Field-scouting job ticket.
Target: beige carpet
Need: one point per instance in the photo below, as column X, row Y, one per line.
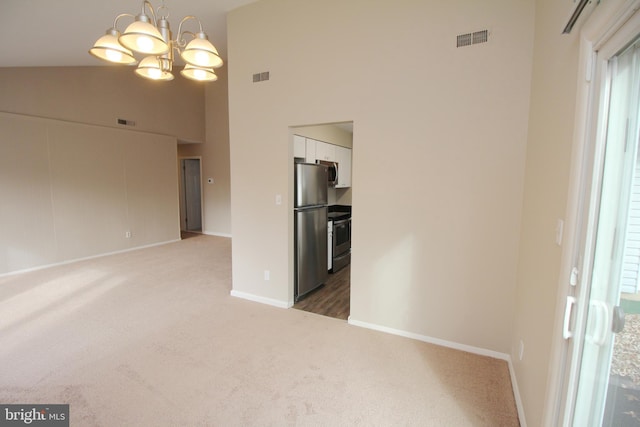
column 152, row 338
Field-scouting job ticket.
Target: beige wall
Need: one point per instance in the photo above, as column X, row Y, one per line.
column 435, row 241
column 551, row 121
column 214, row 154
column 100, row 95
column 71, row 191
column 72, row 180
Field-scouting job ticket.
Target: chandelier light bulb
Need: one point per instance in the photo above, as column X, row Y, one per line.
column 144, row 43
column 201, row 57
column 199, row 74
column 155, row 73
column 113, row 55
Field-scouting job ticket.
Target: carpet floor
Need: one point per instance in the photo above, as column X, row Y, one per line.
column 152, row 337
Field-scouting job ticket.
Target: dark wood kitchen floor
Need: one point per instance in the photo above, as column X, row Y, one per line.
column 332, row 299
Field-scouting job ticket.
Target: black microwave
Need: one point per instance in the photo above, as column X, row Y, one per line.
column 332, row 172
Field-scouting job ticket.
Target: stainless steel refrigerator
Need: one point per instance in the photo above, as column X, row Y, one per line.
column 310, row 222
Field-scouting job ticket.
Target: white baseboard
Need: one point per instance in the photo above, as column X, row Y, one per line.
column 71, row 261
column 210, row 233
column 516, row 394
column 456, row 346
column 262, row 300
column 431, row 340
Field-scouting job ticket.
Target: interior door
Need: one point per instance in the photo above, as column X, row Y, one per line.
column 604, row 317
column 192, row 194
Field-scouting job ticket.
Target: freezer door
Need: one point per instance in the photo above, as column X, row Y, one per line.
column 310, row 185
column 311, row 249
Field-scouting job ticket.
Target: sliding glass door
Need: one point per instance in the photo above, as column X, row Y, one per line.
column 608, row 360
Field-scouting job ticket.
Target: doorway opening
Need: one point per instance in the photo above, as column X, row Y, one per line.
column 190, row 195
column 330, row 145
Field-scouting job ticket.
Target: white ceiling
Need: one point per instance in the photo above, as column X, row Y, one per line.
column 61, row 32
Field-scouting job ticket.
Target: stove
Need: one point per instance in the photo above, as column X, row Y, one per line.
column 339, row 234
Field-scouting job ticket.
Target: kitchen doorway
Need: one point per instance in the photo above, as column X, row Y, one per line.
column 190, row 194
column 329, row 144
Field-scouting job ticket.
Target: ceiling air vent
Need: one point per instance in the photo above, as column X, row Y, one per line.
column 472, row 38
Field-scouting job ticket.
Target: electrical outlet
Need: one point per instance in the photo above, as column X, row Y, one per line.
column 127, row 234
column 267, row 275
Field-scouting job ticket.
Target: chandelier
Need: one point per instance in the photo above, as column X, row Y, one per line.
column 152, row 38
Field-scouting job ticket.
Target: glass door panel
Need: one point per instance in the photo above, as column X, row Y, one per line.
column 604, row 372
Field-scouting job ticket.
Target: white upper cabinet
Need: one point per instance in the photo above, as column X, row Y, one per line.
column 299, row 146
column 325, row 151
column 343, row 158
column 310, row 156
column 312, row 150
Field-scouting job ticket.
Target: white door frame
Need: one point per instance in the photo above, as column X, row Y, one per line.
column 611, row 20
column 181, row 186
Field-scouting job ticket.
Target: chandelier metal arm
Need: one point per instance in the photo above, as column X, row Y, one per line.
column 115, row 21
column 150, row 6
column 180, row 41
column 163, row 11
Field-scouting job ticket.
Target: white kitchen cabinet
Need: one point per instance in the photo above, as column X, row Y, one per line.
column 325, row 151
column 299, row 146
column 343, row 158
column 311, row 150
column 310, row 145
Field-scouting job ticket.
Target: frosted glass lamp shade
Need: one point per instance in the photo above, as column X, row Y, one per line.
column 108, row 49
column 199, row 74
column 142, row 37
column 150, row 38
column 150, row 68
column 201, row 53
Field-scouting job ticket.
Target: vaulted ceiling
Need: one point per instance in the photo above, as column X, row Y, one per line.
column 60, row 33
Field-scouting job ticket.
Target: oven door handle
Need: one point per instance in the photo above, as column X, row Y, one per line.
column 342, row 221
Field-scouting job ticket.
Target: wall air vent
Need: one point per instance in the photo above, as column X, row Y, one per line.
column 480, row 36
column 472, row 38
column 125, row 122
column 261, row 77
column 464, row 40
